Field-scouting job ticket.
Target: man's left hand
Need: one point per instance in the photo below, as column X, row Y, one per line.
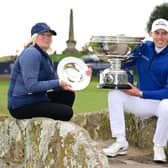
column 134, row 91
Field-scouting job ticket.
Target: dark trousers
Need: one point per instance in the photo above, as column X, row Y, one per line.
column 58, row 108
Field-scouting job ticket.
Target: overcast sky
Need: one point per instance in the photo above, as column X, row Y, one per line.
column 91, row 17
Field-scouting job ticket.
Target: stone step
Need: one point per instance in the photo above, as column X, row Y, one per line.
column 120, row 163
column 136, row 158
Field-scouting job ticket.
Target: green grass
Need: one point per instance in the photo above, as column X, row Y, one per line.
column 3, row 97
column 59, row 57
column 90, row 99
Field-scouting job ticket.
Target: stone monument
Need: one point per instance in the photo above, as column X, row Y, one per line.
column 71, row 41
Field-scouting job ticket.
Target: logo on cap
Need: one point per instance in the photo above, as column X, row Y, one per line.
column 160, row 24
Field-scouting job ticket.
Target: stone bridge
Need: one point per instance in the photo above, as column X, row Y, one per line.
column 45, row 143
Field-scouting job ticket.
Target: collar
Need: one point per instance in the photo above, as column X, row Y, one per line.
column 41, row 50
column 158, row 50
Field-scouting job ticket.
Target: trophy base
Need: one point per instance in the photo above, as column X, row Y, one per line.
column 113, row 86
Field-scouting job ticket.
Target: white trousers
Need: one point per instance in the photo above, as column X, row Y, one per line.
column 118, row 102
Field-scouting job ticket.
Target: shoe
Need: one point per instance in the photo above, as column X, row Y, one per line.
column 117, row 148
column 159, row 154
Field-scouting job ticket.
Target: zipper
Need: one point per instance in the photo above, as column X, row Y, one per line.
column 151, row 61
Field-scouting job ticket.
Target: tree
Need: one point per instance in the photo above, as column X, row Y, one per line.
column 160, row 11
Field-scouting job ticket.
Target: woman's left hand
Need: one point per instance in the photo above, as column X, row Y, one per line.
column 134, row 91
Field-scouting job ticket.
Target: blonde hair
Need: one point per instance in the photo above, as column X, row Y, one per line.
column 31, row 40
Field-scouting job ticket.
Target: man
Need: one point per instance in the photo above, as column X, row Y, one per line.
column 149, row 98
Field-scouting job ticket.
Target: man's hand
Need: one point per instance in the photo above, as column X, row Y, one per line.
column 134, row 91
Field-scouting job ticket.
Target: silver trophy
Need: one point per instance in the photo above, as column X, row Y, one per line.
column 115, row 50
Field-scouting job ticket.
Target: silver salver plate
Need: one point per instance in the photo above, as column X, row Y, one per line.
column 73, row 71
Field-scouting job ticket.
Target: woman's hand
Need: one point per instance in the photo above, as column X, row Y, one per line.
column 65, row 86
column 134, row 91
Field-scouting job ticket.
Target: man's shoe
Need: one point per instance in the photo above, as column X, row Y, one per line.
column 159, row 154
column 117, row 148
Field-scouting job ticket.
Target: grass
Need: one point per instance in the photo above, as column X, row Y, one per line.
column 3, row 97
column 90, row 99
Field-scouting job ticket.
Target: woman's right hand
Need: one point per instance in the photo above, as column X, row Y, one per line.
column 65, row 86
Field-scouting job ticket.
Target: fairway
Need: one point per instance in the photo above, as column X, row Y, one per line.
column 90, row 99
column 3, row 97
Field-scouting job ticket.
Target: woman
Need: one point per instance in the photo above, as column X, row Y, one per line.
column 33, row 77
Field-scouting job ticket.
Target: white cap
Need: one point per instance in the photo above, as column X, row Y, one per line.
column 160, row 24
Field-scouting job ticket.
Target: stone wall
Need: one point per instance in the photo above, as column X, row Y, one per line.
column 97, row 124
column 45, row 143
column 139, row 131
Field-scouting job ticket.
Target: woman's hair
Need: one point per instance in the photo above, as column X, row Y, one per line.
column 31, row 40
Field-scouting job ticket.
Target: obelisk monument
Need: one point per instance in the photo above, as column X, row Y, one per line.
column 71, row 41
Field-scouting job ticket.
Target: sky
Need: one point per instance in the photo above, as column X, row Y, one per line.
column 91, row 17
